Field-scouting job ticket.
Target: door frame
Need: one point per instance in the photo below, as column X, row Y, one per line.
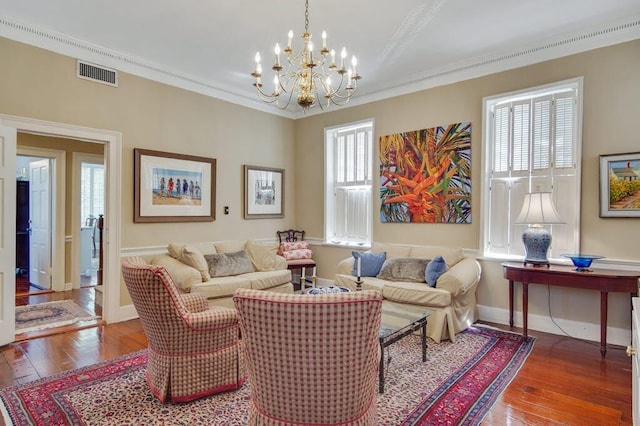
column 113, row 180
column 78, row 159
column 58, row 188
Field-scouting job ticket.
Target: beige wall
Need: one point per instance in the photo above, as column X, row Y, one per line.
column 611, row 107
column 41, row 84
column 69, row 146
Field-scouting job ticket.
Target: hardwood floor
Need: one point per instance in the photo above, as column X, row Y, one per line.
column 84, row 297
column 563, row 382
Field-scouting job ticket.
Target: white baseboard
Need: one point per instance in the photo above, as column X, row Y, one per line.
column 580, row 330
column 127, row 313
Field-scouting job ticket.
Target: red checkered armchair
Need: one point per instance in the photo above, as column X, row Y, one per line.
column 311, row 359
column 193, row 348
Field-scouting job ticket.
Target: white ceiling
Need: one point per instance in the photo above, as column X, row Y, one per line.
column 401, row 45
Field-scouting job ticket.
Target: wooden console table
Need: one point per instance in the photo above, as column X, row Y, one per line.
column 602, row 280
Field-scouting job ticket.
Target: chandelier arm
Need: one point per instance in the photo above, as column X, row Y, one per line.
column 274, row 100
column 345, row 97
column 305, row 75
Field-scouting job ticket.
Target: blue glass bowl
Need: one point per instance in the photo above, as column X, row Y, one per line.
column 582, row 261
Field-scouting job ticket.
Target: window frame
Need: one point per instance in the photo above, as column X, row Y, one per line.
column 488, row 105
column 331, row 185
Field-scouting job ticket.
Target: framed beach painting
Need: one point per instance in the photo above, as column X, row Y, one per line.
column 620, row 185
column 263, row 192
column 172, row 187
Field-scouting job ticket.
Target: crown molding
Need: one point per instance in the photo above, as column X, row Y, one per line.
column 514, row 56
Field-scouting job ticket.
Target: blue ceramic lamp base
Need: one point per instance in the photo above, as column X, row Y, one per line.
column 536, row 241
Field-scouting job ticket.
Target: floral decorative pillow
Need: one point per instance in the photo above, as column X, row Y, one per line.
column 297, row 254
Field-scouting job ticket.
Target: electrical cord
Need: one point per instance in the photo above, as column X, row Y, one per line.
column 567, row 334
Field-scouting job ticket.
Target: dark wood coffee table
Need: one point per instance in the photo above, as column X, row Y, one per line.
column 399, row 321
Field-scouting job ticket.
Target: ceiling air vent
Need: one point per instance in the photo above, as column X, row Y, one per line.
column 97, row 73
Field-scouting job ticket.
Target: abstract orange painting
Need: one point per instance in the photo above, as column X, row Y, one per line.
column 425, row 175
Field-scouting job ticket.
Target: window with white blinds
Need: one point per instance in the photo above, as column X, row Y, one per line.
column 349, row 179
column 532, row 144
column 91, row 191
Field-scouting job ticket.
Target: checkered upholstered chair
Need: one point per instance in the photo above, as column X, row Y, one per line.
column 193, row 349
column 311, row 359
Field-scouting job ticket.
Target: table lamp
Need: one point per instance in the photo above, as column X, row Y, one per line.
column 537, row 210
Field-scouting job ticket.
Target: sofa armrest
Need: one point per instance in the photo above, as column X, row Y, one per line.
column 195, row 302
column 345, row 266
column 461, row 277
column 183, row 275
column 281, row 263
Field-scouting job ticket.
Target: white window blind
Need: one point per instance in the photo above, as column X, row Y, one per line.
column 349, row 167
column 91, row 191
column 531, row 146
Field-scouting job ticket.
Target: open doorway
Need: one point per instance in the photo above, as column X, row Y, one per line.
column 89, row 186
column 10, row 126
column 88, row 209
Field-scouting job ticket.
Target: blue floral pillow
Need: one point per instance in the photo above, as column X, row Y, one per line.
column 370, row 263
column 434, row 269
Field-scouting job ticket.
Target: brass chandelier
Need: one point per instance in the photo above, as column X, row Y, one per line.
column 315, row 79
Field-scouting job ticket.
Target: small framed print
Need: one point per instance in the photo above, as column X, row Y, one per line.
column 620, row 185
column 263, row 192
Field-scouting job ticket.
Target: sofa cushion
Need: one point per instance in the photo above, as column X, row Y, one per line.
column 368, row 283
column 393, row 250
column 267, row 279
column 190, row 256
column 450, row 255
column 263, row 255
column 184, row 276
column 226, row 264
column 230, row 246
column 404, row 269
column 221, row 286
column 416, row 294
column 370, row 263
column 435, row 268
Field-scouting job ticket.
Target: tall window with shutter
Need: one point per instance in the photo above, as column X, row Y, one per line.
column 348, row 168
column 532, row 144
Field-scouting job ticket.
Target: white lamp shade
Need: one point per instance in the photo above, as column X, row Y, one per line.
column 538, row 209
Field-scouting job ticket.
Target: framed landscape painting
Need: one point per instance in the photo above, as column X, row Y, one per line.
column 172, row 187
column 620, row 185
column 263, row 192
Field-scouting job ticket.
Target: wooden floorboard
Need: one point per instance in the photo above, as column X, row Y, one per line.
column 563, row 382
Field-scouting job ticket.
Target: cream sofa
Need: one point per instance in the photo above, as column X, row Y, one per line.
column 188, row 267
column 452, row 301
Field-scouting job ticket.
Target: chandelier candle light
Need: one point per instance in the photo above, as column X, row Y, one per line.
column 537, row 210
column 308, row 74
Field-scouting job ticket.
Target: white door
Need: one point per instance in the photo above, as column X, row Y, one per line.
column 40, row 216
column 7, row 235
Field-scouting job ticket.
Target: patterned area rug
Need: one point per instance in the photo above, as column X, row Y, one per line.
column 48, row 315
column 456, row 386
